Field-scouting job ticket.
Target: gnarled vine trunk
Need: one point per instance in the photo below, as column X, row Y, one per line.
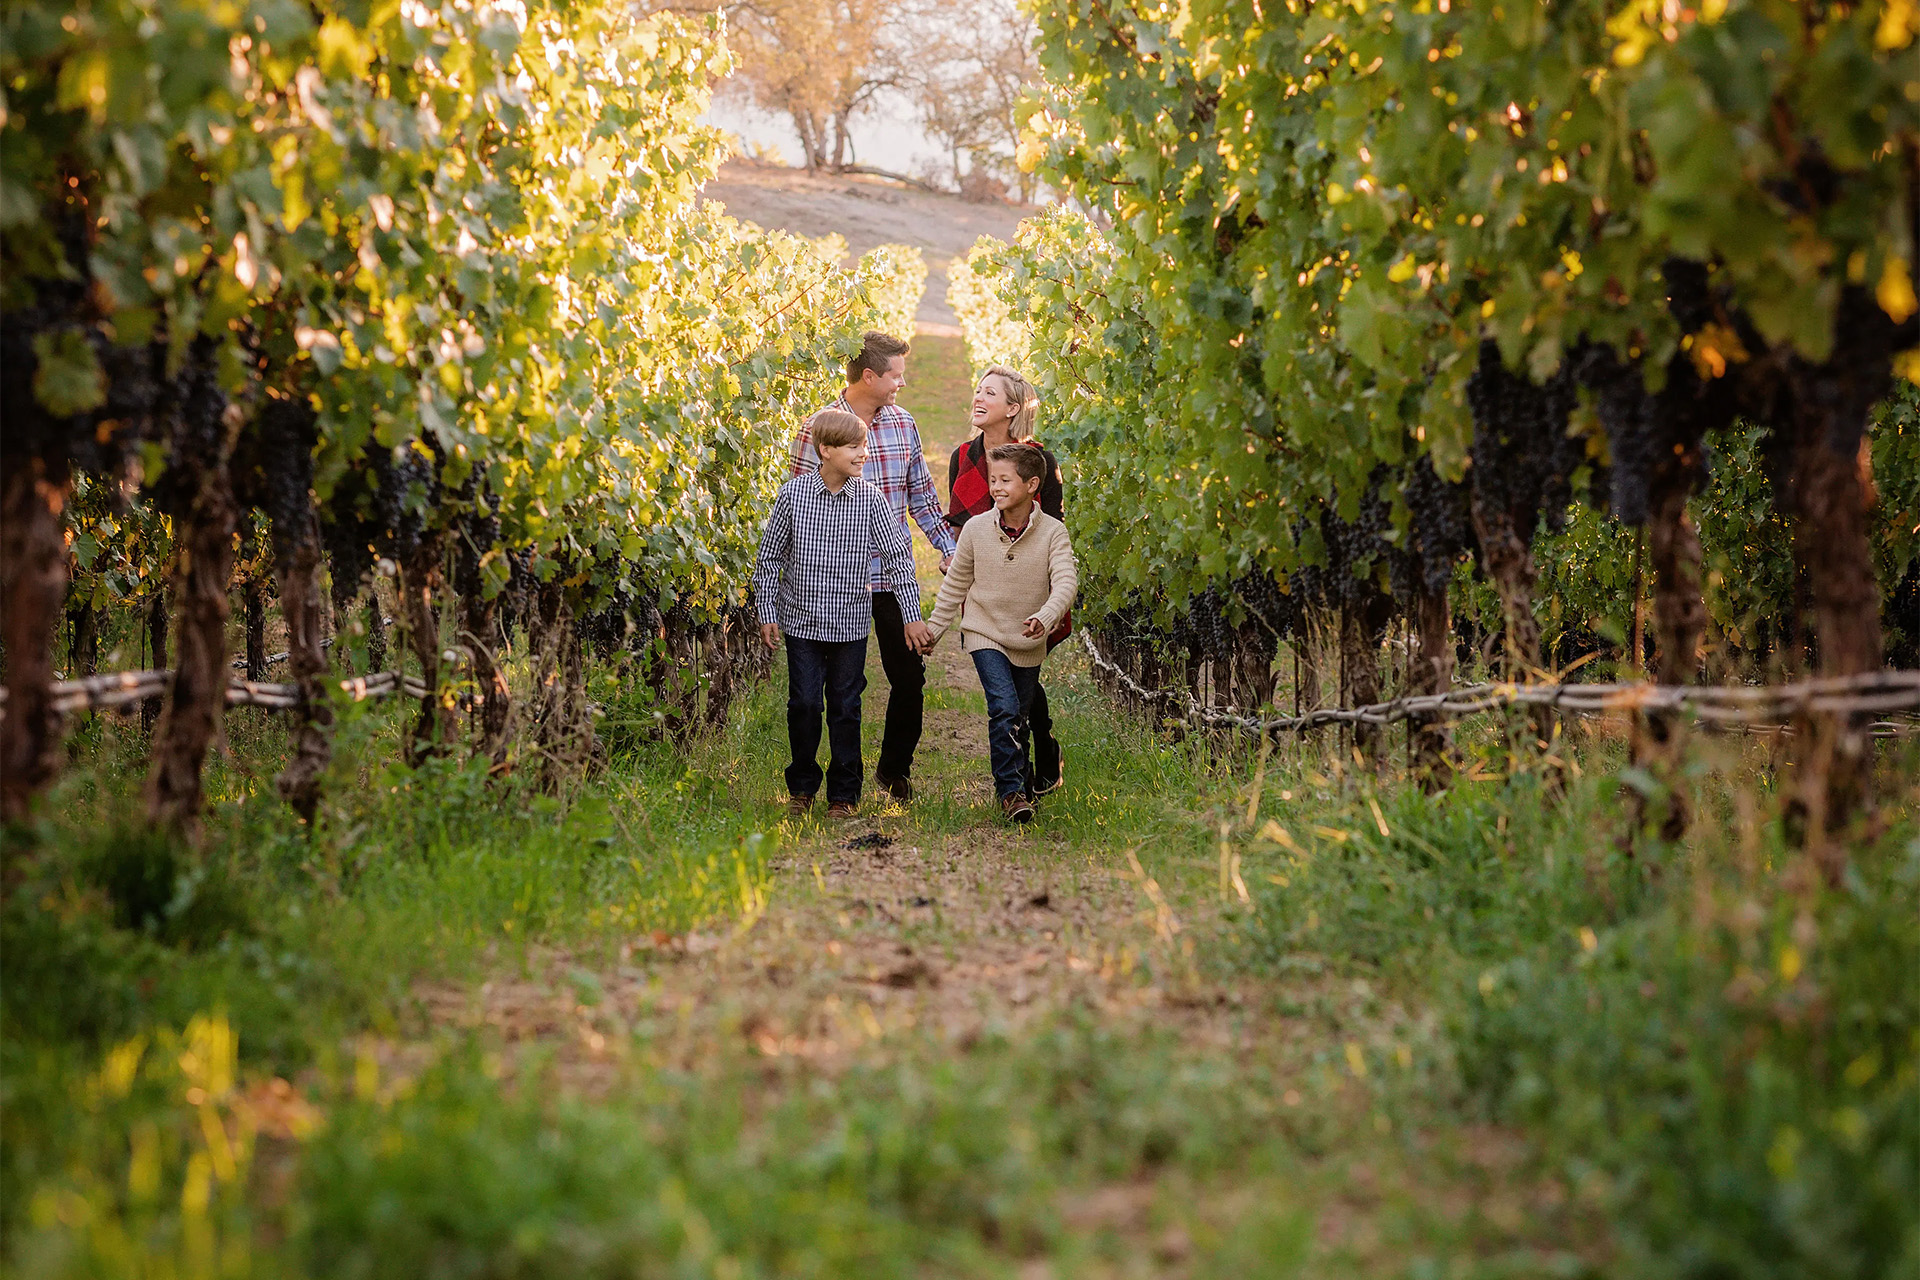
column 204, row 426
column 1431, row 672
column 1254, row 677
column 376, row 631
column 1823, row 486
column 1830, row 501
column 1679, row 620
column 563, row 731
column 159, row 611
column 253, row 597
column 1361, row 628
column 481, row 637
column 1507, row 557
column 433, row 732
column 33, row 587
column 296, row 556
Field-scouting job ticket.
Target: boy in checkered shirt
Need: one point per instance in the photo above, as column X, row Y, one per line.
column 811, row 582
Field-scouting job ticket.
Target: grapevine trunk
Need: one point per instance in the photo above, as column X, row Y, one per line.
column 480, row 625
column 1432, row 673
column 1679, row 619
column 1360, row 629
column 1830, row 495
column 197, row 699
column 296, row 555
column 559, row 689
column 433, row 732
column 33, row 583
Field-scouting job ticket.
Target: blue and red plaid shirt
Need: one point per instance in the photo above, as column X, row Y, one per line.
column 895, row 466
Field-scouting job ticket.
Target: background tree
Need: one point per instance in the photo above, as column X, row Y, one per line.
column 970, row 71
column 817, row 64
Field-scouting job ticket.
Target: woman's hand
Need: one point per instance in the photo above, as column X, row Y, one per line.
column 1034, row 629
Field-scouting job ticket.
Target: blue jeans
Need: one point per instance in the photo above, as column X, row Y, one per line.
column 1009, row 696
column 825, row 676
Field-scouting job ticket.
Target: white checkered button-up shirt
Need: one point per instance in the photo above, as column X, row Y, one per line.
column 898, row 468
column 811, row 574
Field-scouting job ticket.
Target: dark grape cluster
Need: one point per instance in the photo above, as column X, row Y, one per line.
column 56, row 308
column 1275, row 611
column 1523, row 459
column 629, row 618
column 273, row 468
column 477, row 532
column 1204, row 631
column 1439, row 532
column 407, row 486
column 517, row 600
column 1654, row 438
column 191, row 426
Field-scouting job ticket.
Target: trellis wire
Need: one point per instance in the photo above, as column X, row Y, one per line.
column 117, row 689
column 1748, row 707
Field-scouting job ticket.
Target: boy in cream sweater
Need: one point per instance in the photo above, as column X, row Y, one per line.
column 1014, row 572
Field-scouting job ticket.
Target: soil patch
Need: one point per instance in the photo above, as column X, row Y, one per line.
column 868, row 212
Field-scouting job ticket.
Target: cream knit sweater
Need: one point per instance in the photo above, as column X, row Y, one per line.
column 1004, row 582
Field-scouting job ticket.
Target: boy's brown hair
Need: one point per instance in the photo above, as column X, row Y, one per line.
column 1027, row 460
column 876, row 350
column 834, row 428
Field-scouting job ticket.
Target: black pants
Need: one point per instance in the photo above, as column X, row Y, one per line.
column 825, row 676
column 906, row 688
column 1043, row 749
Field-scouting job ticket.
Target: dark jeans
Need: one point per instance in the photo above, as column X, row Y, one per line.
column 1042, row 746
column 1010, row 691
column 825, row 676
column 906, row 688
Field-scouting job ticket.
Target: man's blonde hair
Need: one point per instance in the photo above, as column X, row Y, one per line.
column 1019, row 391
column 836, row 428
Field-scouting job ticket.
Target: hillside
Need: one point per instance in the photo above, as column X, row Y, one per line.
column 867, row 211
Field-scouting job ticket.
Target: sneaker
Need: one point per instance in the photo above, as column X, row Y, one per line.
column 1017, row 808
column 843, row 810
column 799, row 806
column 899, row 788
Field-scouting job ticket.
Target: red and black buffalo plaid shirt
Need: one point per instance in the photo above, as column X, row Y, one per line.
column 968, row 496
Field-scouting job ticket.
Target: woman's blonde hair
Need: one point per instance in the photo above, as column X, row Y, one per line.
column 1019, row 391
column 835, row 428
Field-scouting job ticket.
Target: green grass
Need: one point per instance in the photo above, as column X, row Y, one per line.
column 1490, row 1037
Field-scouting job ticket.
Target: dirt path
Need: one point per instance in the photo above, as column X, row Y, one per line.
column 867, row 211
column 883, row 928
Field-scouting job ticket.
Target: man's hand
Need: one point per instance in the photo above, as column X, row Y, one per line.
column 1033, row 629
column 919, row 637
column 770, row 635
column 946, row 562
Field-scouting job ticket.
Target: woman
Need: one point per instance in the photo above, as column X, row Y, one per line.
column 1003, row 408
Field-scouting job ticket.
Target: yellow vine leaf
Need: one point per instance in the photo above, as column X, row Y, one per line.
column 1895, row 291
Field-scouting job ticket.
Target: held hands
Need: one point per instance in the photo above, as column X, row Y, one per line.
column 1033, row 629
column 919, row 638
column 770, row 635
column 946, row 562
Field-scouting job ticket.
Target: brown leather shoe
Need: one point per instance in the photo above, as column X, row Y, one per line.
column 899, row 788
column 799, row 806
column 843, row 811
column 1017, row 808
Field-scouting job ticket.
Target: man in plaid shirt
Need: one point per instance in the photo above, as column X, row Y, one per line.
column 896, row 466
